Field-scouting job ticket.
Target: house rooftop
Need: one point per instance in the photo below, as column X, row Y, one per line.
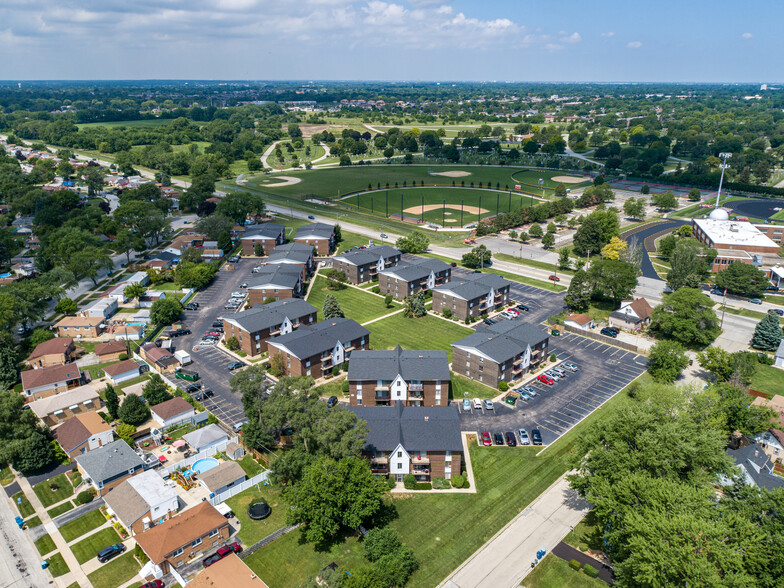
column 75, row 396
column 388, row 364
column 269, row 315
column 416, row 269
column 310, row 340
column 264, row 231
column 50, row 375
column 580, row 319
column 51, row 347
column 368, row 255
column 110, row 347
column 120, row 368
column 171, row 408
column 276, row 276
column 108, row 461
column 315, row 231
column 473, row 286
column 291, row 253
column 735, row 233
column 78, row 429
column 205, row 436
column 229, row 572
column 756, row 467
column 222, row 474
column 134, row 497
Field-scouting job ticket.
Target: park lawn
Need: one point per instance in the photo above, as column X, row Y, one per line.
column 352, row 240
column 49, row 497
column 115, row 573
column 587, row 534
column 553, row 572
column 57, row 565
column 88, row 548
column 428, row 332
column 83, row 524
column 461, row 385
column 356, row 304
column 767, row 379
column 44, row 544
column 23, row 505
column 250, row 465
column 60, row 509
column 6, row 476
column 531, row 262
column 252, row 531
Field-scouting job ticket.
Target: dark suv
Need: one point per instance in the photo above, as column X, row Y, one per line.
column 179, row 332
column 608, row 332
column 536, row 435
column 108, row 553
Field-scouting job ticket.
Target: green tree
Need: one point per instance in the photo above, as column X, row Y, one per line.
column 742, row 279
column 336, row 279
column 232, row 343
column 667, row 245
column 94, row 180
column 578, row 296
column 214, row 225
column 40, row 336
column 379, row 542
column 687, row 265
column 135, row 291
column 666, row 361
column 665, row 200
column 767, row 334
column 414, row 306
column 695, row 194
column 388, row 300
column 416, row 242
column 66, row 306
column 127, row 242
column 331, row 308
column 111, row 401
column 635, row 208
column 686, row 316
column 612, row 279
column 65, row 169
column 560, row 189
column 258, row 250
column 548, row 240
column 133, row 410
column 563, row 259
column 34, row 454
column 239, row 205
column 194, row 275
column 536, row 230
column 156, row 391
column 125, row 432
column 165, row 311
column 596, row 231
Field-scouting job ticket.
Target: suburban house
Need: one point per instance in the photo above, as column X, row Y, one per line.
column 415, row 378
column 109, row 465
column 55, row 351
column 504, row 352
column 222, row 477
column 125, row 370
column 253, row 327
column 409, row 277
column 363, row 265
column 293, row 254
column 424, row 441
column 184, row 537
column 633, row 315
column 162, row 261
column 110, row 351
column 210, row 250
column 80, row 326
column 268, row 235
column 206, row 437
column 275, row 281
column 142, row 502
column 56, row 409
column 181, row 243
column 229, row 572
column 103, row 308
column 473, row 295
column 313, row 350
column 48, row 381
column 756, row 467
column 772, row 442
column 161, row 359
column 579, row 321
column 172, row 411
column 320, row 236
column 150, row 297
column 82, row 433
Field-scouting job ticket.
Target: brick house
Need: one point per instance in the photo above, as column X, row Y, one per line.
column 504, row 352
column 48, row 381
column 313, row 350
column 409, row 277
column 82, row 433
column 293, row 255
column 80, row 326
column 185, row 537
column 274, row 281
column 110, row 351
column 424, row 441
column 143, row 501
column 473, row 295
column 633, row 315
column 60, row 407
column 253, row 327
column 109, row 465
column 363, row 265
column 268, row 235
column 161, row 359
column 320, row 236
column 384, row 377
column 55, row 351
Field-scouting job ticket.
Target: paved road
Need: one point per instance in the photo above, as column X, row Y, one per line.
column 20, row 566
column 647, row 235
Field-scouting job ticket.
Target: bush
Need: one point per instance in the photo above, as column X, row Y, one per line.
column 447, row 313
column 574, row 564
column 458, row 481
column 409, row 482
column 379, row 542
column 503, row 386
column 375, row 290
column 84, row 497
column 391, row 483
column 466, row 321
column 139, row 554
column 764, row 359
column 232, row 344
column 344, row 387
column 336, row 370
column 344, row 366
column 590, row 571
column 123, row 356
column 424, row 486
column 441, row 483
column 553, row 357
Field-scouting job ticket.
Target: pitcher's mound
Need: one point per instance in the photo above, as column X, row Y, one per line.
column 284, row 181
column 451, row 174
column 569, row 179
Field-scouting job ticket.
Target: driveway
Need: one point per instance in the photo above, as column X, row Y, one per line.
column 647, row 234
column 75, row 513
column 49, row 473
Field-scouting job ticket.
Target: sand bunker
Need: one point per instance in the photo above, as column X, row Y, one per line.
column 287, row 181
column 451, row 174
column 569, row 179
column 429, row 207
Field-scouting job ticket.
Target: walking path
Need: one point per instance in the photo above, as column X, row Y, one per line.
column 505, row 559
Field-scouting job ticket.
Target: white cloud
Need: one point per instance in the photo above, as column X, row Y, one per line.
column 573, row 38
column 608, row 34
column 634, row 44
column 746, row 36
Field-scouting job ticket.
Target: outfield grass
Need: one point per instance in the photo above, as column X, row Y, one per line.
column 461, row 385
column 115, row 573
column 88, row 548
column 84, row 524
column 23, row 505
column 553, row 572
column 529, row 179
column 356, row 304
column 44, row 544
column 57, row 565
column 428, row 332
column 768, row 379
column 252, row 531
column 47, row 496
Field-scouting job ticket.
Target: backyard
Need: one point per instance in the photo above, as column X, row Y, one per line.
column 356, row 304
column 252, row 531
column 428, row 332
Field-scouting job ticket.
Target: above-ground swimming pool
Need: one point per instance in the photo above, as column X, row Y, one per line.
column 202, row 465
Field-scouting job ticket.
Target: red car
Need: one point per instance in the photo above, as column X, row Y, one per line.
column 545, row 380
column 555, row 278
column 221, row 553
column 486, row 440
column 153, row 584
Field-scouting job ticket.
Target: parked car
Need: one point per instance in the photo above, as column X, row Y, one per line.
column 524, row 440
column 234, row 259
column 238, row 295
column 238, row 426
column 207, row 393
column 179, row 332
column 108, row 553
column 755, row 300
column 498, row 438
column 545, row 380
column 488, row 321
column 537, row 437
column 333, row 400
column 488, row 404
column 609, row 332
column 466, row 405
column 511, row 441
column 235, row 365
column 485, row 436
column 453, row 264
column 570, row 366
column 477, row 404
column 778, row 311
column 558, row 371
column 615, row 330
column 153, row 584
column 554, row 278
column 531, row 392
column 191, row 388
column 384, row 236
column 513, row 311
column 522, row 307
column 552, row 374
column 217, row 324
column 717, row 292
column 191, row 306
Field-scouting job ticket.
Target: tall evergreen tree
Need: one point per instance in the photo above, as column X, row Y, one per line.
column 767, row 335
column 111, row 401
column 331, row 308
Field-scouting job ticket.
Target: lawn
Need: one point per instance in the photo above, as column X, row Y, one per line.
column 252, row 531
column 49, row 497
column 457, row 524
column 553, row 572
column 23, row 505
column 88, row 548
column 356, row 304
column 587, row 534
column 332, row 387
column 84, row 524
column 44, row 544
column 768, row 379
column 115, row 573
column 463, row 387
column 6, row 476
column 530, row 262
column 250, row 465
column 428, row 332
column 599, row 310
column 33, row 522
column 57, row 565
column 353, row 240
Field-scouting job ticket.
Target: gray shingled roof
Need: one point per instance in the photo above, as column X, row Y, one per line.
column 291, row 253
column 756, row 467
column 310, row 340
column 276, row 275
column 315, row 231
column 418, row 269
column 264, row 231
column 368, row 255
column 416, row 428
column 271, row 315
column 224, row 473
column 503, row 340
column 108, row 461
column 205, row 436
column 388, row 364
column 473, row 285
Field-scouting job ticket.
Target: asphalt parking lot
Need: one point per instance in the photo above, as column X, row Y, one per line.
column 603, row 371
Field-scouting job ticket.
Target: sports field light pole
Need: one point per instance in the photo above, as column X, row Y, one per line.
column 723, row 165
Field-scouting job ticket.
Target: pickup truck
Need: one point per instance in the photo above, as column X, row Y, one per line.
column 188, row 375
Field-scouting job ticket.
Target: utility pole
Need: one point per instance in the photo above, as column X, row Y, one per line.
column 724, row 165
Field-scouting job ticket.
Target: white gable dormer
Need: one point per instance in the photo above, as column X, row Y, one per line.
column 431, row 281
column 399, row 389
column 380, row 264
column 526, row 357
column 286, row 326
column 338, row 354
column 490, row 297
column 399, row 461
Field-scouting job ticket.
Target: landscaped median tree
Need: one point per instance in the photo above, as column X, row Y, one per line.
column 767, row 333
column 742, row 279
column 477, row 257
column 548, row 240
column 563, row 259
column 536, row 230
column 666, row 361
column 331, row 308
column 686, row 316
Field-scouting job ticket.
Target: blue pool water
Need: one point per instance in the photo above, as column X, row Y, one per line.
column 203, row 465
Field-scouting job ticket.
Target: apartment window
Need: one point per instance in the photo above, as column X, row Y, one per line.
column 359, row 402
column 400, row 454
column 197, row 542
column 400, row 465
column 178, row 552
column 213, row 533
column 179, row 563
column 468, row 355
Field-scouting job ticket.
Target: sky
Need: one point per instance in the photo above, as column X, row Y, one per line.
column 427, row 40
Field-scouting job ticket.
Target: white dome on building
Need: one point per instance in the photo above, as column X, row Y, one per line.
column 719, row 214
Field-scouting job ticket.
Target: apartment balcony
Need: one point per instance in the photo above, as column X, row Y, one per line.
column 416, row 387
column 382, row 388
column 326, row 362
column 382, row 396
column 420, row 462
column 379, row 469
column 274, row 332
column 517, row 361
column 380, row 459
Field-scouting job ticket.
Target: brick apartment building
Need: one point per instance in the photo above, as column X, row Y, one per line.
column 294, row 255
column 473, row 295
column 412, row 275
column 254, row 327
column 276, row 282
column 363, row 265
column 320, row 236
column 268, row 235
column 384, row 377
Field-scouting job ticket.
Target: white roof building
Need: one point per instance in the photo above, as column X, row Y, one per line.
column 726, row 234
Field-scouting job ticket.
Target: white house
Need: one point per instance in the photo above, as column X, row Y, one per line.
column 172, row 411
column 632, row 315
column 206, row 437
column 579, row 321
column 142, row 501
column 103, row 307
column 222, row 477
column 779, row 360
column 120, row 372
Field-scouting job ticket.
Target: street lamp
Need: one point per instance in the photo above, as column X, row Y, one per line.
column 723, row 165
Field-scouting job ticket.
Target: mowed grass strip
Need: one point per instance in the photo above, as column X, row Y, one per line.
column 60, row 509
column 88, row 548
column 553, row 572
column 47, row 496
column 428, row 332
column 57, row 565
column 44, row 544
column 23, row 505
column 83, row 524
column 115, row 573
column 461, row 385
column 356, row 304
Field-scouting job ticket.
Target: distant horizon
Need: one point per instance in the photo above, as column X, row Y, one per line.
column 386, row 81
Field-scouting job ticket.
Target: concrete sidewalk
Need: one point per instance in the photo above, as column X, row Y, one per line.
column 506, row 558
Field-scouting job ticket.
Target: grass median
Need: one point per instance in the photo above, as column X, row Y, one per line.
column 83, row 524
column 356, row 304
column 428, row 332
